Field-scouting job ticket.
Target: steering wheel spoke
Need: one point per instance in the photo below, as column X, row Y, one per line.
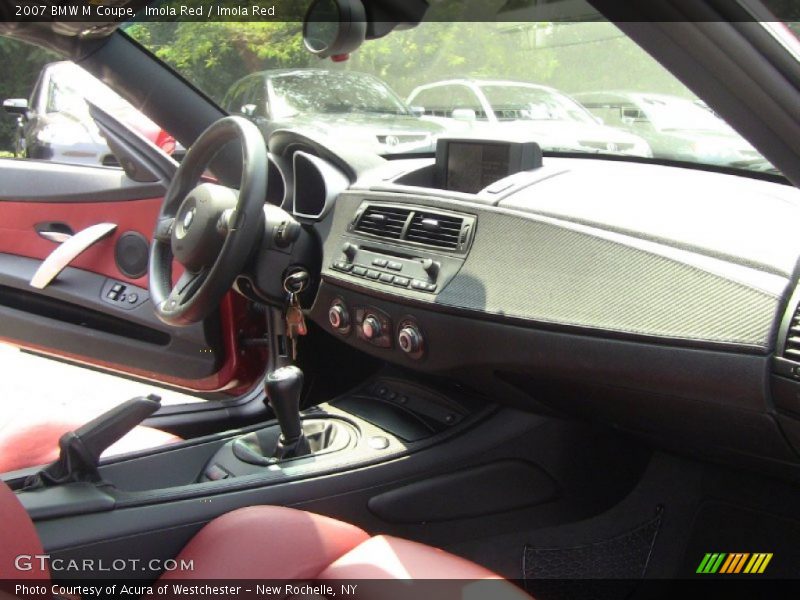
column 163, row 230
column 186, row 287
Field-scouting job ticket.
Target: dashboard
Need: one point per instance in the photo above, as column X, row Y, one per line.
column 654, row 298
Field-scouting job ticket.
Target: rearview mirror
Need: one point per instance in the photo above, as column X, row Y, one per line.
column 248, row 110
column 334, row 28
column 464, row 114
column 16, row 106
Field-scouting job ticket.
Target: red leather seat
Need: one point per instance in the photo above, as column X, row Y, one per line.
column 277, row 543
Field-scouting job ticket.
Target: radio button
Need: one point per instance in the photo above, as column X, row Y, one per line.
column 386, row 278
column 380, row 262
column 402, row 281
column 373, row 274
column 360, row 271
column 395, row 266
column 340, row 265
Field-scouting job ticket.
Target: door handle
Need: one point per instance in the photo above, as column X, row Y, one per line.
column 59, row 237
column 64, row 254
column 54, row 231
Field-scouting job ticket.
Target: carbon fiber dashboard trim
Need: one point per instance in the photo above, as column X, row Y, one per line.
column 540, row 269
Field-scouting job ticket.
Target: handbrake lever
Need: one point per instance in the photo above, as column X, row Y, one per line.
column 81, row 449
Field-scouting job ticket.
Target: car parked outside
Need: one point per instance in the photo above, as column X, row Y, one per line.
column 346, row 106
column 517, row 109
column 55, row 124
column 676, row 128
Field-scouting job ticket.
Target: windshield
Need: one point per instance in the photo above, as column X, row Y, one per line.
column 675, row 114
column 320, row 92
column 536, row 74
column 512, row 102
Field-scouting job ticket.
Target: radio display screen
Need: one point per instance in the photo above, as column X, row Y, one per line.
column 472, row 166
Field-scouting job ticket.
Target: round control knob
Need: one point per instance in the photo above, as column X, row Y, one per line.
column 338, row 317
column 409, row 339
column 371, row 327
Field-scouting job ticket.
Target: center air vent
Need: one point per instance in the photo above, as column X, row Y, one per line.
column 422, row 227
column 442, row 231
column 383, row 221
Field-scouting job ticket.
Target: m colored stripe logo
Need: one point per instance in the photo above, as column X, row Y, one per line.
column 734, row 563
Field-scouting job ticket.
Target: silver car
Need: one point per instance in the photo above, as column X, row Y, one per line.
column 523, row 110
column 346, row 106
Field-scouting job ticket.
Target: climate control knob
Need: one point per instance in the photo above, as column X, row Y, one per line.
column 410, row 340
column 371, row 327
column 338, row 317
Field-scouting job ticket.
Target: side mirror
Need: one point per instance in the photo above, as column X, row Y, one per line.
column 16, row 106
column 464, row 114
column 417, row 111
column 248, row 110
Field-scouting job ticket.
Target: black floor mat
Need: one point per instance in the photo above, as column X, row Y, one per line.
column 577, row 572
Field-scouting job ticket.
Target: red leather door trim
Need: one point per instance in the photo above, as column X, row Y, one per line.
column 18, row 219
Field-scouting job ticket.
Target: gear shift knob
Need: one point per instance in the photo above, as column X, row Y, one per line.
column 283, row 387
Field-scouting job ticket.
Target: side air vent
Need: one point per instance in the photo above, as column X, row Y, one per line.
column 791, row 350
column 433, row 229
column 383, row 221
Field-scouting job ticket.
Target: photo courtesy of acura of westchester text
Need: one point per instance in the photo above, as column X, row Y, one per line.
column 452, row 299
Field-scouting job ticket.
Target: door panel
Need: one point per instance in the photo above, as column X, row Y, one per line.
column 18, row 233
column 73, row 317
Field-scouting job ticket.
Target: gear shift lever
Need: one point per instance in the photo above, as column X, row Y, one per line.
column 283, row 387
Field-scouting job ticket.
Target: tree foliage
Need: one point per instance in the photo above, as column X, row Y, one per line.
column 573, row 57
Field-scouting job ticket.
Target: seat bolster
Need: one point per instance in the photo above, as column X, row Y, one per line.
column 19, row 538
column 267, row 542
column 386, row 557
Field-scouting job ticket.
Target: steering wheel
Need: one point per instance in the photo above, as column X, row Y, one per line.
column 210, row 229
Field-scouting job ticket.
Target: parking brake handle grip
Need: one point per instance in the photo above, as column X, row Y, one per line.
column 81, row 449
